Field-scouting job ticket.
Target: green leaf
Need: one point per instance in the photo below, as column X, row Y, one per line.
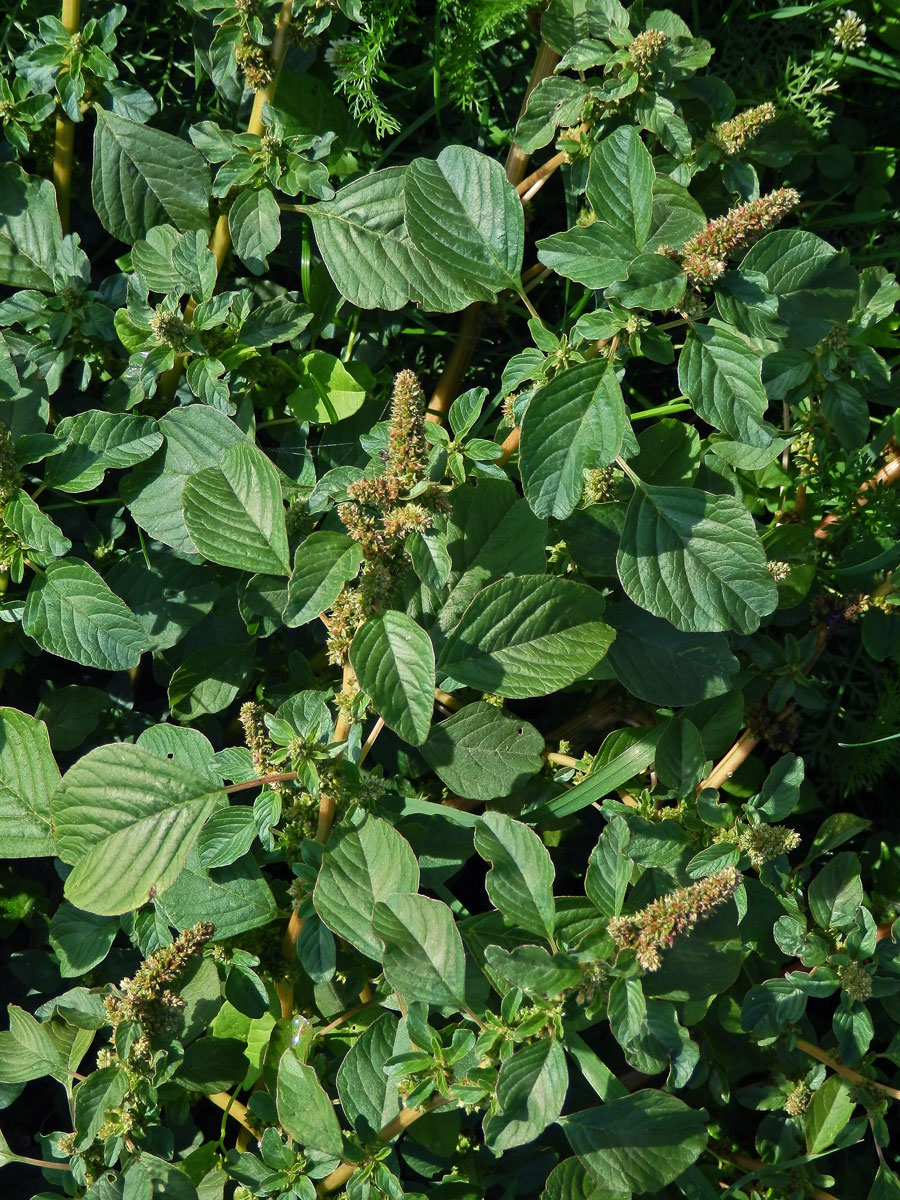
column 836, row 892
column 28, row 778
column 533, row 969
column 394, row 663
column 127, row 819
column 209, row 679
column 814, row 285
column 463, row 213
column 483, row 753
column 886, row 1185
column 234, row 513
column 770, row 1007
column 197, row 436
column 680, row 756
column 30, row 232
column 595, row 255
column 328, row 390
column 370, row 1098
column 676, row 215
column 235, row 898
column 669, row 454
column 721, row 374
column 660, row 664
column 575, row 422
column 363, row 240
column 254, row 221
column 639, row 1143
column 571, row 1180
column 106, row 1088
column 609, row 868
column 520, row 881
column 71, row 612
column 144, row 177
column 491, row 532
column 80, row 939
column 429, row 556
column 555, row 101
column 527, row 637
column 620, row 184
column 34, row 527
column 96, row 442
column 827, row 1114
column 531, row 1091
column 626, row 1010
column 304, row 1108
column 27, row 1051
column 423, row 952
column 653, row 282
column 228, row 834
column 362, row 864
column 781, row 791
column 847, row 412
column 695, row 560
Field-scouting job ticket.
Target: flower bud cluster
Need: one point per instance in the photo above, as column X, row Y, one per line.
column 780, row 571
column 599, row 485
column 798, row 1100
column 170, row 330
column 761, row 843
column 656, row 927
column 732, row 136
column 256, row 736
column 646, row 49
column 855, row 981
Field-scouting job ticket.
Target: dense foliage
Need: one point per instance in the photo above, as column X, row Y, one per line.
column 448, row 755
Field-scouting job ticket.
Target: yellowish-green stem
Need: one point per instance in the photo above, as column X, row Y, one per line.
column 64, row 142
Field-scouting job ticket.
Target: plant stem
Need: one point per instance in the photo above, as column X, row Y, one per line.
column 562, row 760
column 370, row 740
column 345, row 1016
column 232, row 1108
column 532, row 184
column 64, row 142
column 279, row 777
column 39, row 1162
column 845, row 1072
column 403, row 1120
column 531, row 309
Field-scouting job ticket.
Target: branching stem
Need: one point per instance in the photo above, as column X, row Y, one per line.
column 403, row 1120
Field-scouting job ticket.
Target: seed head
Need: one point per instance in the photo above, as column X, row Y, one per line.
column 731, row 136
column 657, row 926
column 740, row 227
